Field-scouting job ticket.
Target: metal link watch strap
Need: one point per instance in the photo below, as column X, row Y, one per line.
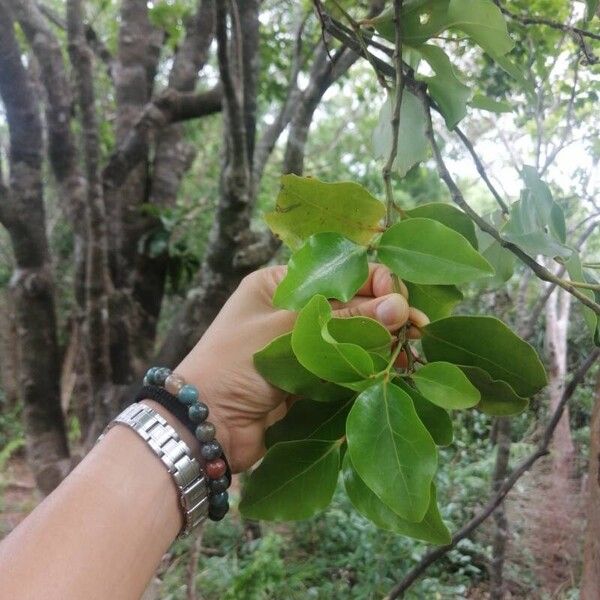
column 176, row 456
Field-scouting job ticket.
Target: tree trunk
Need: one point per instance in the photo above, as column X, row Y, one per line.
column 24, row 217
column 590, row 581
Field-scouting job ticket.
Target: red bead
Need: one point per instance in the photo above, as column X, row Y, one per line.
column 215, row 468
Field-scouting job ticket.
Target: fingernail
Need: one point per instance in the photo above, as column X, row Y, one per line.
column 391, row 311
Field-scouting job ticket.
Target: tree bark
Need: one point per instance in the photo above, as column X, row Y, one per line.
column 590, row 580
column 23, row 215
column 503, row 444
column 97, row 286
column 173, row 156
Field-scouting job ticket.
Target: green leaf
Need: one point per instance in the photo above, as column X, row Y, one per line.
column 278, row 364
column 450, row 93
column 362, row 331
column 501, row 259
column 481, row 20
column 506, row 64
column 497, row 397
column 319, row 352
column 413, row 145
column 549, row 213
column 446, row 386
column 311, row 420
column 447, row 215
column 591, row 9
column 527, row 229
column 487, row 343
column 431, row 529
column 436, row 301
column 326, row 264
column 484, row 103
column 294, row 481
column 575, row 271
column 436, row 420
column 425, row 251
column 306, row 206
column 391, row 450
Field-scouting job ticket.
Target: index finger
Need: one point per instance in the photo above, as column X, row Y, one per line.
column 380, row 283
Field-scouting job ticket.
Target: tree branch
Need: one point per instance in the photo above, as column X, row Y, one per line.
column 495, row 500
column 526, row 20
column 542, row 272
column 97, row 46
column 170, row 107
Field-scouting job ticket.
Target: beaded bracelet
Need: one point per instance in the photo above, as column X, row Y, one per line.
column 215, row 467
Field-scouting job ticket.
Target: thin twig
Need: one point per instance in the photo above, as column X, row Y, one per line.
column 399, row 90
column 481, row 169
column 542, row 449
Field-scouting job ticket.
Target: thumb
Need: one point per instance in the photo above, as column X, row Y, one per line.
column 391, row 310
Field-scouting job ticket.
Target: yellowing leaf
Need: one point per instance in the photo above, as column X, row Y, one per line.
column 306, row 206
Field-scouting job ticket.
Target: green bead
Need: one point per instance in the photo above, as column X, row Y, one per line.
column 205, row 432
column 161, row 375
column 188, row 394
column 198, row 412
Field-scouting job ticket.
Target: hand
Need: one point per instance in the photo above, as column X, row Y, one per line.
column 242, row 404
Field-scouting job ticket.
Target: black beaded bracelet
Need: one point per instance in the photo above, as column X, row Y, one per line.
column 183, row 401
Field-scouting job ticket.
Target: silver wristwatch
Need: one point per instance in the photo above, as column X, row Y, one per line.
column 176, row 456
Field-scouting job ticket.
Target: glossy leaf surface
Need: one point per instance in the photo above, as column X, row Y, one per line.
column 447, row 215
column 497, row 397
column 436, row 301
column 326, row 264
column 391, row 449
column 575, row 270
column 278, row 364
column 306, row 206
column 487, row 343
column 425, row 251
column 318, row 351
column 431, row 529
column 294, row 481
column 436, row 420
column 310, row 420
column 446, row 386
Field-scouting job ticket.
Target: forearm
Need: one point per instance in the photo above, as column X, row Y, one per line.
column 103, row 531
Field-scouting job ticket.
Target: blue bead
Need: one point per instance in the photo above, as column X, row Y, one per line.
column 218, row 485
column 211, row 450
column 161, row 375
column 216, row 513
column 188, row 394
column 150, row 375
column 198, row 412
column 218, row 500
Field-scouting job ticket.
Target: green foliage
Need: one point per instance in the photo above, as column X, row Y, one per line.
column 328, row 264
column 294, row 481
column 436, row 301
column 391, row 450
column 487, row 343
column 425, row 251
column 446, row 386
column 447, row 215
column 430, row 529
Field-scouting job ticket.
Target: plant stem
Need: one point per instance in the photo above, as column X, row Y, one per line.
column 584, row 285
column 399, row 89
